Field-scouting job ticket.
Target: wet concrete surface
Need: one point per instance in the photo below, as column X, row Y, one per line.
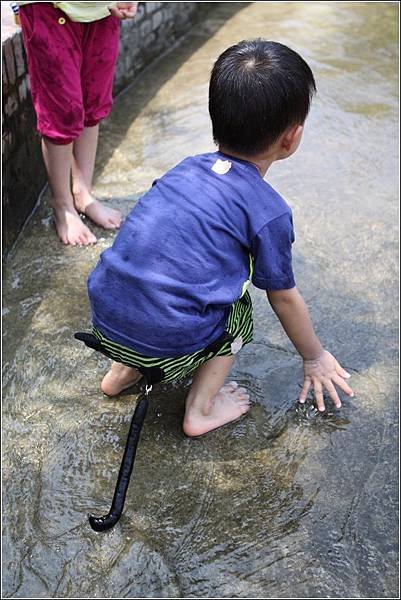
column 284, row 503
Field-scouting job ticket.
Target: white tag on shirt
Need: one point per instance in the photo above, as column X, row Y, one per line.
column 221, row 167
column 236, row 345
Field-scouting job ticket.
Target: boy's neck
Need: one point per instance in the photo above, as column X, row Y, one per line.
column 261, row 161
column 284, row 146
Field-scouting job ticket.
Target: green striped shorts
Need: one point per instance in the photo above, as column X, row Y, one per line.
column 238, row 332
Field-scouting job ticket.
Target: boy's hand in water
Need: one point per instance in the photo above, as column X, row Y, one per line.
column 323, row 373
column 124, row 10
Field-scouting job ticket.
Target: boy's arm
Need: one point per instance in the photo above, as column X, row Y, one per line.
column 321, row 369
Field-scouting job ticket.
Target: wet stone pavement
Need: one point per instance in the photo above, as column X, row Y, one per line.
column 285, row 503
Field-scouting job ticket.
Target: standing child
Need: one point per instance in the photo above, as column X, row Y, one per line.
column 72, row 49
column 170, row 296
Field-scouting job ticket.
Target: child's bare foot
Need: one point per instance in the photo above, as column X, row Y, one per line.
column 119, row 378
column 229, row 404
column 102, row 215
column 70, row 229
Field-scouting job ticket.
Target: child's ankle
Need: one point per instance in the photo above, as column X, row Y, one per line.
column 197, row 405
column 62, row 203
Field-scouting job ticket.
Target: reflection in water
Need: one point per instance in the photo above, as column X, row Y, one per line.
column 287, row 502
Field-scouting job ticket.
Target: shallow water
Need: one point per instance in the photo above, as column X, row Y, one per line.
column 285, row 503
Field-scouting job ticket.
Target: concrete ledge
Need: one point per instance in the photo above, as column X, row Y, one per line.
column 155, row 30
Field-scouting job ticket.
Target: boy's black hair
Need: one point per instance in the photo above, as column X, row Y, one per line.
column 257, row 90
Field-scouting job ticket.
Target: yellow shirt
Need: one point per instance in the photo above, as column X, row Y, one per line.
column 83, row 12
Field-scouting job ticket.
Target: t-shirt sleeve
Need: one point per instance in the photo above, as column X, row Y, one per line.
column 271, row 251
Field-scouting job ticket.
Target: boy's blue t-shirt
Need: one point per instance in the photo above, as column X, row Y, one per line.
column 182, row 257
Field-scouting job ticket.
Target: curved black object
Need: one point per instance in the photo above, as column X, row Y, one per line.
column 151, row 375
column 108, row 521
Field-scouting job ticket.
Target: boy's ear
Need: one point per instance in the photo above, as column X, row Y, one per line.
column 292, row 138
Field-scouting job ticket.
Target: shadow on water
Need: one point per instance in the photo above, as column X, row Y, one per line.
column 134, row 102
column 284, row 503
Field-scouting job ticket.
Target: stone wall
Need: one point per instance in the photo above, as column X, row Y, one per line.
column 23, row 170
column 156, row 29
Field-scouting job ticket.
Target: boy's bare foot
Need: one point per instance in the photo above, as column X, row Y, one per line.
column 119, row 378
column 70, row 229
column 102, row 215
column 229, row 404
